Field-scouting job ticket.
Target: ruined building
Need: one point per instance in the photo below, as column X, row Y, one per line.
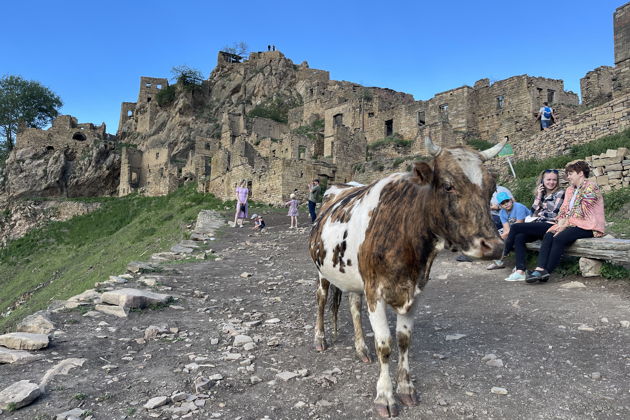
column 605, row 82
column 278, row 125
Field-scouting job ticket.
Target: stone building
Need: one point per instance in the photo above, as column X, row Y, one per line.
column 139, row 116
column 65, row 134
column 605, row 82
column 151, row 172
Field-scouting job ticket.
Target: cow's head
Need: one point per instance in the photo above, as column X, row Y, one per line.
column 460, row 192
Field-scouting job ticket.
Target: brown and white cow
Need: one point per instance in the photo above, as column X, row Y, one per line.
column 380, row 240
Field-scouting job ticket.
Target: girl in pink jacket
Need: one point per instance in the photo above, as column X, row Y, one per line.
column 581, row 216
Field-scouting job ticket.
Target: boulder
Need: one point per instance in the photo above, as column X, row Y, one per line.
column 19, row 394
column 24, row 341
column 141, row 267
column 16, row 356
column 134, row 298
column 115, row 310
column 37, row 323
column 590, row 267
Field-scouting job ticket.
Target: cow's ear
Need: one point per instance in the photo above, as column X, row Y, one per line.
column 423, row 171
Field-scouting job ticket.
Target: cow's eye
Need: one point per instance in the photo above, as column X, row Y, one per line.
column 448, row 188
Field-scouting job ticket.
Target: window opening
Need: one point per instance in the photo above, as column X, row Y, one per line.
column 389, row 128
column 500, row 102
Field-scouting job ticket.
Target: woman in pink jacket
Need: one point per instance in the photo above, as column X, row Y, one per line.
column 581, row 216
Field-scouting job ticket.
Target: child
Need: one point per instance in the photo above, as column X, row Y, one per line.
column 293, row 210
column 259, row 223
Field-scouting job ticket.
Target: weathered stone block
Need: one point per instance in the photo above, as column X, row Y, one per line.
column 602, row 180
column 19, row 394
column 37, row 323
column 598, row 171
column 134, row 298
column 16, row 356
column 24, row 341
column 115, row 310
column 614, row 175
column 614, row 167
column 590, row 267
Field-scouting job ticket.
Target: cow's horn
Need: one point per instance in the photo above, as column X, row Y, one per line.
column 432, row 148
column 493, row 151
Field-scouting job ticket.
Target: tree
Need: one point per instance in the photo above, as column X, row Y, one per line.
column 24, row 103
column 238, row 48
column 187, row 77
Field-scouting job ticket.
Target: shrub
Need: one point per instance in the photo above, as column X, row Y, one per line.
column 310, row 131
column 387, row 141
column 479, row 144
column 276, row 109
column 166, row 96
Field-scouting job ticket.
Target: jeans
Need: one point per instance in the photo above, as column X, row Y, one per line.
column 311, row 210
column 520, row 234
column 553, row 247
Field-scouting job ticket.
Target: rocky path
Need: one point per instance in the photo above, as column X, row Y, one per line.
column 236, row 343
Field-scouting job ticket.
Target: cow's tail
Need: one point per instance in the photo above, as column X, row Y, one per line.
column 334, row 294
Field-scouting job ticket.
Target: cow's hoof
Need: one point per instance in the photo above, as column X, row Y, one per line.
column 364, row 355
column 409, row 400
column 320, row 344
column 383, row 410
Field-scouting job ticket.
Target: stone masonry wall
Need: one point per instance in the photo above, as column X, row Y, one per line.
column 607, row 119
column 621, row 23
column 597, row 86
column 611, row 169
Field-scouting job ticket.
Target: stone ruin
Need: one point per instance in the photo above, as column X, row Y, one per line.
column 213, row 135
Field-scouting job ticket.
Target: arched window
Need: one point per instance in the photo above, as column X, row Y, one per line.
column 79, row 136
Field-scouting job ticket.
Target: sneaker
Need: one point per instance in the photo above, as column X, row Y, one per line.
column 537, row 275
column 463, row 258
column 496, row 264
column 515, row 276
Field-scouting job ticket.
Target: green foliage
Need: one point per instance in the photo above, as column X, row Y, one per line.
column 186, row 77
column 394, row 140
column 63, row 259
column 396, row 163
column 532, row 167
column 312, row 130
column 120, row 145
column 80, row 396
column 479, row 144
column 166, row 95
column 612, row 271
column 616, row 199
column 24, row 102
column 276, row 109
column 11, row 407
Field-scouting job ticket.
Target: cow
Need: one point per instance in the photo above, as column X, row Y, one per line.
column 380, row 241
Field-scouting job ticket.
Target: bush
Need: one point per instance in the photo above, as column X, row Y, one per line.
column 388, row 141
column 615, row 200
column 166, row 96
column 310, row 131
column 276, row 109
column 479, row 144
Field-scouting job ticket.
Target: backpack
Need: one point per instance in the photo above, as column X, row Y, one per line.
column 547, row 113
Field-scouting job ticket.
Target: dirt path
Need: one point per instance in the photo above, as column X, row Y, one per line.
column 564, row 353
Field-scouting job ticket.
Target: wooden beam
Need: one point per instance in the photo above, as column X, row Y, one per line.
column 608, row 249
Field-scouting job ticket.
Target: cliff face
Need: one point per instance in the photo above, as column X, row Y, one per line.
column 41, row 172
column 267, row 79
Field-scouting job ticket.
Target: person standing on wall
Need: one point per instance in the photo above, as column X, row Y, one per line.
column 313, row 196
column 546, row 116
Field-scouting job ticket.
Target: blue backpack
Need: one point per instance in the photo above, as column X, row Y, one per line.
column 547, row 113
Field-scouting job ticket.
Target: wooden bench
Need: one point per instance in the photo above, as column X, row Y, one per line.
column 606, row 249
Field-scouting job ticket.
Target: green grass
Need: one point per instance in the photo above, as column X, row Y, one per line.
column 532, row 167
column 394, row 140
column 65, row 258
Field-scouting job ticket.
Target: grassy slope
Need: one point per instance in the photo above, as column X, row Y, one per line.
column 66, row 258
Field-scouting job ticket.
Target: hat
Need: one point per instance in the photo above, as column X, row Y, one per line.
column 502, row 196
column 292, row 195
column 254, row 216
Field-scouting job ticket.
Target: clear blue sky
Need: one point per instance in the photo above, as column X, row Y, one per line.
column 92, row 53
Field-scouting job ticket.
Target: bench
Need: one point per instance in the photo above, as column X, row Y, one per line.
column 606, row 249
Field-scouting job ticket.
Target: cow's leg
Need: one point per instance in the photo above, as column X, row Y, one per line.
column 404, row 327
column 359, row 341
column 384, row 403
column 322, row 297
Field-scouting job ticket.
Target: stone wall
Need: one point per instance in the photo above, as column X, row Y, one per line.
column 606, row 119
column 65, row 133
column 621, row 23
column 597, row 86
column 611, row 169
